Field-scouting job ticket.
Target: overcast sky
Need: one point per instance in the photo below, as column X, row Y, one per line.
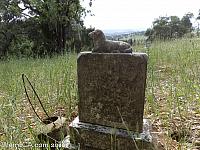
column 136, row 14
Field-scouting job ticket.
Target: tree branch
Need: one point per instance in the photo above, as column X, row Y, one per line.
column 27, row 5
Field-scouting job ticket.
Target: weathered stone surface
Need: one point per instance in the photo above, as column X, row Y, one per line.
column 97, row 137
column 112, row 89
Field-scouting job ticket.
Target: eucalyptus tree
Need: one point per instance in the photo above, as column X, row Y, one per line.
column 170, row 27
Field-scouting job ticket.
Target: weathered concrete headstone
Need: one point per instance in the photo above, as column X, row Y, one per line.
column 111, row 91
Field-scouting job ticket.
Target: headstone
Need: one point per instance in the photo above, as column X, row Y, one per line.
column 111, row 89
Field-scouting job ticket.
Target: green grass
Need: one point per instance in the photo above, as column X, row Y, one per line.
column 55, row 82
column 173, row 90
column 172, row 93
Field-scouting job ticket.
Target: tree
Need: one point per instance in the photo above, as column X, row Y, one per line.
column 170, row 27
column 9, row 24
column 161, row 28
column 186, row 23
column 57, row 19
column 175, row 27
column 49, row 24
column 149, row 33
column 198, row 18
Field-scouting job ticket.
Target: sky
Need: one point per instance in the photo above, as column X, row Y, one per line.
column 135, row 14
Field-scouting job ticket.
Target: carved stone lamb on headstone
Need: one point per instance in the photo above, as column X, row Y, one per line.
column 101, row 45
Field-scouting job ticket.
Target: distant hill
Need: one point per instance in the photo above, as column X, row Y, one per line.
column 114, row 32
column 123, row 34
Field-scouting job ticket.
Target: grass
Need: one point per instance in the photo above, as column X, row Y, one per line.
column 55, row 82
column 172, row 93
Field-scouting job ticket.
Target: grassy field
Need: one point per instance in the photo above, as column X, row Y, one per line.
column 55, row 82
column 172, row 94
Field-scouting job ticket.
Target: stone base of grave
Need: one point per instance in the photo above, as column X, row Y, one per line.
column 97, row 137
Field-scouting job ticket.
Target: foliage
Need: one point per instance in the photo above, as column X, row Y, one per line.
column 170, row 27
column 49, row 24
column 197, row 19
column 22, row 47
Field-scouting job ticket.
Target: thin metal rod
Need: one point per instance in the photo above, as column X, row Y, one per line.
column 23, row 79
